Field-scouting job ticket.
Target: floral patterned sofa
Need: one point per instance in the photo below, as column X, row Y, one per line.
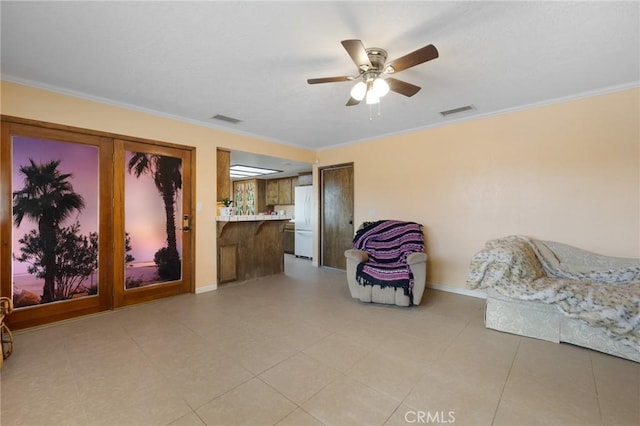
column 560, row 293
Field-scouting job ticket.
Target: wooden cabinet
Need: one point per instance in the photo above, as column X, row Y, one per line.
column 284, row 191
column 272, row 192
column 280, row 191
column 248, row 196
column 250, row 249
column 304, row 179
column 223, row 162
column 288, row 239
column 227, row 263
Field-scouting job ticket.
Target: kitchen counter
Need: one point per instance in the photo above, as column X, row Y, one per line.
column 251, row 218
column 250, row 246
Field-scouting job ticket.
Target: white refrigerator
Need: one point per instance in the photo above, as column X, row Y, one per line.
column 304, row 221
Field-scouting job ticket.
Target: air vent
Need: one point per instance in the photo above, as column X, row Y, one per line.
column 225, row 118
column 457, row 110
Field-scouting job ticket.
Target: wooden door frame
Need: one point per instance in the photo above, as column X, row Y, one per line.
column 124, row 297
column 50, row 312
column 322, row 206
column 54, row 131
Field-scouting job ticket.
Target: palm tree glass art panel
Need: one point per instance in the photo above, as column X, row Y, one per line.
column 153, row 200
column 55, row 212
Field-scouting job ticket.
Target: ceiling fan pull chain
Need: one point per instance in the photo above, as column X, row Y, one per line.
column 379, row 114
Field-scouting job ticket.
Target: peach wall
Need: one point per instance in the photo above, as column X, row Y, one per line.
column 37, row 104
column 568, row 172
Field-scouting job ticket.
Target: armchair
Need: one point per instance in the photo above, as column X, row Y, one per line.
column 387, row 263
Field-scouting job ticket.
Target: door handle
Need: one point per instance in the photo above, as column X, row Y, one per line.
column 186, row 223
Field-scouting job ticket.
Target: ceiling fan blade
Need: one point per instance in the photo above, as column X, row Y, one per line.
column 358, row 53
column 352, row 102
column 414, row 58
column 402, row 87
column 329, row 79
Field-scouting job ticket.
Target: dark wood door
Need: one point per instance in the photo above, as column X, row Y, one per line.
column 336, row 183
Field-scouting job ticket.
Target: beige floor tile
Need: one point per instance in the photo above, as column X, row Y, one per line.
column 479, row 346
column 125, row 375
column 618, row 386
column 190, row 419
column 299, row 377
column 260, row 355
column 321, row 357
column 45, row 369
column 406, row 416
column 203, row 380
column 150, row 406
column 300, row 418
column 528, row 402
column 470, row 393
column 394, row 376
column 202, row 353
column 298, row 334
column 452, row 305
column 420, row 352
column 559, row 366
column 253, row 403
column 337, row 351
column 229, row 336
column 349, row 402
column 130, row 396
column 432, row 326
column 166, row 341
column 367, row 333
column 31, row 403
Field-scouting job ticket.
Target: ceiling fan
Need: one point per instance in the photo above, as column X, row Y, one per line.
column 371, row 63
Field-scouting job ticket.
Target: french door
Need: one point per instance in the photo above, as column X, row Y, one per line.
column 89, row 222
column 153, row 217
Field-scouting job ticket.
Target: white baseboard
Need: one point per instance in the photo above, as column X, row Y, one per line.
column 206, row 288
column 442, row 287
column 459, row 290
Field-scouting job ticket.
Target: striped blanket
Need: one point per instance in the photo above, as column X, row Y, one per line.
column 388, row 244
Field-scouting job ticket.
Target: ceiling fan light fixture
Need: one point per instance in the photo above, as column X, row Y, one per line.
column 372, row 98
column 359, row 91
column 380, row 87
column 372, row 64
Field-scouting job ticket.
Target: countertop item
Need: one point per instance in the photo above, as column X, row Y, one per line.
column 252, row 217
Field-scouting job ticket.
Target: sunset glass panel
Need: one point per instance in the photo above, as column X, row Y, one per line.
column 55, row 216
column 153, row 212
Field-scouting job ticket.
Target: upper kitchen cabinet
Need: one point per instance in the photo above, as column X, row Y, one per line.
column 249, row 196
column 279, row 191
column 284, row 191
column 272, row 192
column 223, row 187
column 304, row 179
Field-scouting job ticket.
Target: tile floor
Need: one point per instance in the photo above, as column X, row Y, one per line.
column 296, row 350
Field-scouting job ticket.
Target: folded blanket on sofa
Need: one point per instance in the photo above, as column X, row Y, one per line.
column 606, row 295
column 564, row 261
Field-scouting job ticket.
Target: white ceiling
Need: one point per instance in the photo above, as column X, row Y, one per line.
column 251, row 60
